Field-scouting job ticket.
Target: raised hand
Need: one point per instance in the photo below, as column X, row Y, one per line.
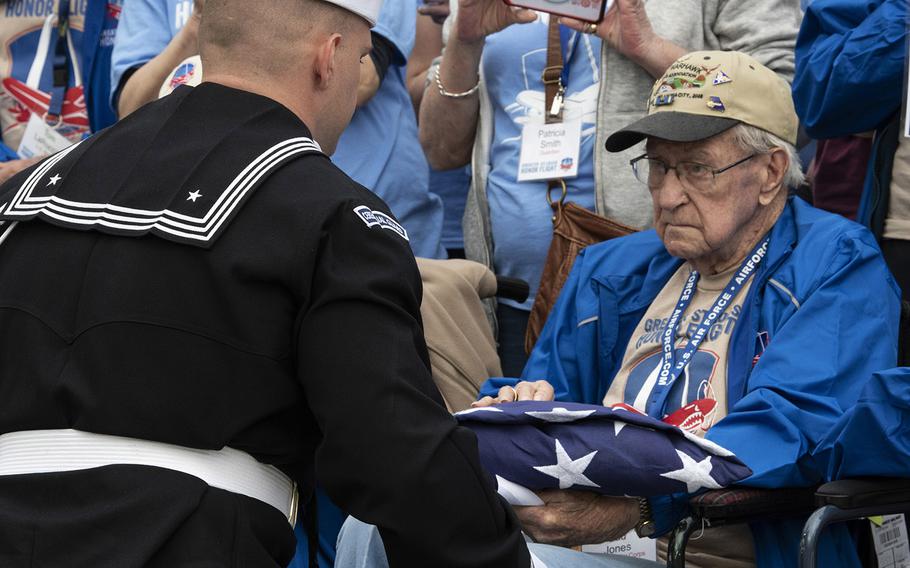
column 476, row 19
column 525, row 390
column 627, row 29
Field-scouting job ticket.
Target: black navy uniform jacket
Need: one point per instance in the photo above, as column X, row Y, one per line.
column 200, row 275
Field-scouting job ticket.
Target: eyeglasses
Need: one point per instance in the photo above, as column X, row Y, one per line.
column 692, row 175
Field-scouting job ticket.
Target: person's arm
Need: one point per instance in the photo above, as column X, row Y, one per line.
column 427, row 47
column 849, row 65
column 447, row 124
column 143, row 84
column 12, row 167
column 793, row 401
column 374, row 68
column 816, row 366
column 764, row 29
column 370, row 77
column 391, row 455
column 627, row 29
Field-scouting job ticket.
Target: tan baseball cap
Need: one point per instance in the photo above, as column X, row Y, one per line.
column 704, row 93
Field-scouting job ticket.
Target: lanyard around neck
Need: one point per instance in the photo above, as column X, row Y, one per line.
column 672, row 367
column 61, row 61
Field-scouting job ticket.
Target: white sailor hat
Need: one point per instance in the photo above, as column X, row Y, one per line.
column 366, row 9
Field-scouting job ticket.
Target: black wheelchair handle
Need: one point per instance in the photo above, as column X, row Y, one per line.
column 514, row 289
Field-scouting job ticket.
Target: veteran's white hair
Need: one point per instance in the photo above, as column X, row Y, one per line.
column 758, row 141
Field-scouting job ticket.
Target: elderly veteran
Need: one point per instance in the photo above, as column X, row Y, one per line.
column 745, row 316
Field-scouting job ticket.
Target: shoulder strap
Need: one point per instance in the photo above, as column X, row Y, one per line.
column 552, row 73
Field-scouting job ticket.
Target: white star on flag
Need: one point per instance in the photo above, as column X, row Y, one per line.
column 560, row 415
column 194, row 196
column 569, row 472
column 54, row 180
column 618, row 425
column 479, row 409
column 695, row 475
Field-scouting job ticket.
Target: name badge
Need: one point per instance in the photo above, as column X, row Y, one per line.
column 630, row 545
column 549, row 151
column 40, row 139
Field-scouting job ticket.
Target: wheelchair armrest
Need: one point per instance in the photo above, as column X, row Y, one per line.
column 864, row 493
column 512, row 288
column 747, row 504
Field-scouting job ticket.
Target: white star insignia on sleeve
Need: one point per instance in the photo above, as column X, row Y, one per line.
column 54, row 180
column 194, row 195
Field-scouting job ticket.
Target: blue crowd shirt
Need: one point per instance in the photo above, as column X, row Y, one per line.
column 452, row 187
column 146, row 28
column 380, row 149
column 521, row 218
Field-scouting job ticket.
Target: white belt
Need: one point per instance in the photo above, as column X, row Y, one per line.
column 47, row 451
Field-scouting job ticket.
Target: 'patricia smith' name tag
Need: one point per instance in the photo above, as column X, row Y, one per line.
column 549, row 151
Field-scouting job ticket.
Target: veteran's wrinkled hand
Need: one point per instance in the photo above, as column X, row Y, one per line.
column 572, row 518
column 525, row 390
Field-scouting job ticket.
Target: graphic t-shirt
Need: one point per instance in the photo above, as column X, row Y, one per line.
column 28, row 32
column 521, row 218
column 698, row 398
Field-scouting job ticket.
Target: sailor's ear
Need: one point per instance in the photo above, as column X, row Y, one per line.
column 326, row 60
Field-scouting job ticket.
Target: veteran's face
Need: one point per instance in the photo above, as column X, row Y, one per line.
column 709, row 223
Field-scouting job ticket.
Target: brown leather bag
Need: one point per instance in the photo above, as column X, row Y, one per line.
column 574, row 228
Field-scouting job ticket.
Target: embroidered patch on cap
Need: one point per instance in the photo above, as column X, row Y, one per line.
column 374, row 218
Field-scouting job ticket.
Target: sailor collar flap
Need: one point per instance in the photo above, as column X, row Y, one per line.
column 180, row 168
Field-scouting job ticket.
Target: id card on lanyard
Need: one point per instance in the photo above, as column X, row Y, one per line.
column 41, row 137
column 551, row 150
column 671, row 365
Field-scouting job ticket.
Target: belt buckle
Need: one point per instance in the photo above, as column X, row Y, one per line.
column 551, row 75
column 295, row 501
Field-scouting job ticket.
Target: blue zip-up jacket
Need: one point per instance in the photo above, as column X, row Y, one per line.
column 849, row 71
column 830, row 307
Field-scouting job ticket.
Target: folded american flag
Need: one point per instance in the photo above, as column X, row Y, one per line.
column 613, row 451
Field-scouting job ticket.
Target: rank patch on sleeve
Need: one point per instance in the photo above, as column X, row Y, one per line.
column 374, row 218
